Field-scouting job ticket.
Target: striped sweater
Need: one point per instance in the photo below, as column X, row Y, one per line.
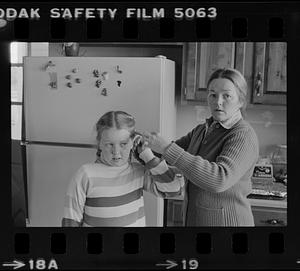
column 106, row 196
column 218, row 166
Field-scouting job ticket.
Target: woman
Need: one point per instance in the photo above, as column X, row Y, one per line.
column 217, row 158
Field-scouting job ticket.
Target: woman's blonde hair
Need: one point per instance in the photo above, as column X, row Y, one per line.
column 236, row 78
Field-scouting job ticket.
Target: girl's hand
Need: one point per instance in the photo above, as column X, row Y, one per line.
column 156, row 142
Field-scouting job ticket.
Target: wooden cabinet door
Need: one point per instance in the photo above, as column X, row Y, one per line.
column 267, row 216
column 213, row 55
column 269, row 82
column 201, row 60
column 191, row 56
column 174, row 213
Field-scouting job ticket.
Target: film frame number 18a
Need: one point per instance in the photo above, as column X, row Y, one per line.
column 176, row 175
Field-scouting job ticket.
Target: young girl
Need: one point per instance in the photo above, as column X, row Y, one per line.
column 109, row 192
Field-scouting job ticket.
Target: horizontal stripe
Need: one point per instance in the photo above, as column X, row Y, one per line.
column 139, row 223
column 86, row 225
column 168, row 187
column 166, row 177
column 109, row 172
column 66, row 222
column 114, row 201
column 172, row 194
column 99, row 169
column 70, row 202
column 115, row 191
column 117, row 180
column 72, row 213
column 114, row 221
column 160, row 169
column 115, row 211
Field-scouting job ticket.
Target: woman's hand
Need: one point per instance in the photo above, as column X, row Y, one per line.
column 156, row 142
column 139, row 144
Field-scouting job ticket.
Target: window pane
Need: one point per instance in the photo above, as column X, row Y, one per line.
column 39, row 49
column 17, row 51
column 16, row 84
column 16, row 122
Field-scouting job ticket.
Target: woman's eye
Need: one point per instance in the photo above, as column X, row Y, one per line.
column 123, row 144
column 213, row 95
column 227, row 96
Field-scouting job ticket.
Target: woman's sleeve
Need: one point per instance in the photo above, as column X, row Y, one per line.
column 239, row 153
column 162, row 180
column 184, row 141
column 75, row 200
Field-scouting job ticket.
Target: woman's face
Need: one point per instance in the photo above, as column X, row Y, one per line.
column 223, row 99
column 115, row 145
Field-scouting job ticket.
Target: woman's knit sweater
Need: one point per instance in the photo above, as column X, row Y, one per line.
column 218, row 165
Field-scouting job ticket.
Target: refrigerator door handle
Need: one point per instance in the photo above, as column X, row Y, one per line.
column 24, row 142
column 60, row 144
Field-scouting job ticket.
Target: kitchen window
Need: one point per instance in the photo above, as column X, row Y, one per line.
column 17, row 51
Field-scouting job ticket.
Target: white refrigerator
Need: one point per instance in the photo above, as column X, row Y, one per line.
column 63, row 99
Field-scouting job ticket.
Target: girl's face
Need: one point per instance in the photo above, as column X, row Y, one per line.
column 115, row 145
column 223, row 99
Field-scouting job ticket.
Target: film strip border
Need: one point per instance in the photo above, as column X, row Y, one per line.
column 150, row 22
column 98, row 248
column 166, row 244
column 165, row 28
column 156, row 248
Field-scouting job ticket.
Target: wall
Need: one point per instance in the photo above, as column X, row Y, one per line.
column 269, row 124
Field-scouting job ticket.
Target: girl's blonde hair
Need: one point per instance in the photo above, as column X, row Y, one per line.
column 114, row 119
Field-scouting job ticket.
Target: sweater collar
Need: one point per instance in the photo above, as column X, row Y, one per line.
column 227, row 124
column 100, row 160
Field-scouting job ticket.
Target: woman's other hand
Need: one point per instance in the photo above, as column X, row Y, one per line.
column 156, row 142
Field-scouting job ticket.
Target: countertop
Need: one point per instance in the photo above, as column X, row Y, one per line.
column 267, row 185
column 270, row 186
column 268, row 203
column 280, row 203
column 255, row 202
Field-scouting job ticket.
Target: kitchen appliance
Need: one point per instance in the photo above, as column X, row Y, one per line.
column 63, row 99
column 279, row 162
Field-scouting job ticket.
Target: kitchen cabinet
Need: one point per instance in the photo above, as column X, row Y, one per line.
column 200, row 60
column 262, row 63
column 174, row 213
column 269, row 216
column 269, row 73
